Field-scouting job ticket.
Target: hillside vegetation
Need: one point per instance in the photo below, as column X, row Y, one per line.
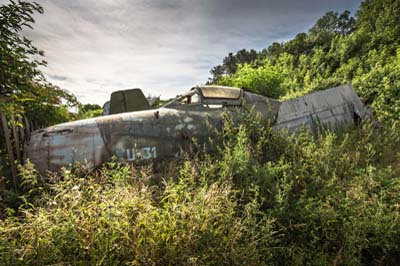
column 363, row 51
column 263, row 197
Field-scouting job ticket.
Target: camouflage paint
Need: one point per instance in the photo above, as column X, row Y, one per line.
column 156, row 134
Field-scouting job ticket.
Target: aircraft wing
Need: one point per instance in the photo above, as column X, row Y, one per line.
column 332, row 108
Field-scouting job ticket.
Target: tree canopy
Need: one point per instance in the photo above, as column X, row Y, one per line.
column 23, row 87
column 363, row 50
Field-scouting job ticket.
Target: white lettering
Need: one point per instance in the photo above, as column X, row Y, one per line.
column 130, row 154
column 133, row 154
column 147, row 154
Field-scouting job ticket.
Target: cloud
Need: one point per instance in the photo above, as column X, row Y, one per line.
column 57, row 77
column 164, row 47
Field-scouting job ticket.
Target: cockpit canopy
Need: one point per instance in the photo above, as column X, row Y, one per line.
column 226, row 96
column 210, row 96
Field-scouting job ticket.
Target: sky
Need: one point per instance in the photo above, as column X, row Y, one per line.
column 164, row 47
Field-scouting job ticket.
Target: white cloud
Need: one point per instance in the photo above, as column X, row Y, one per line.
column 164, row 47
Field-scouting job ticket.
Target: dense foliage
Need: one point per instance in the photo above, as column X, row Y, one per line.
column 24, row 91
column 262, row 197
column 339, row 49
column 89, row 111
column 23, row 88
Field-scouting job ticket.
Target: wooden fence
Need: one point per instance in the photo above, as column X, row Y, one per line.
column 14, row 131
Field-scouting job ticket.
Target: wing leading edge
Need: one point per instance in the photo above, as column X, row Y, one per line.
column 333, row 108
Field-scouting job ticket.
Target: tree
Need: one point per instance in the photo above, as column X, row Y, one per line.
column 338, row 49
column 23, row 88
column 231, row 63
column 330, row 25
column 22, row 84
column 299, row 45
column 89, row 111
column 346, row 24
column 216, row 72
column 265, row 80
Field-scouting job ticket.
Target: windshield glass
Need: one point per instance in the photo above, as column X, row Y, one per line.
column 192, row 97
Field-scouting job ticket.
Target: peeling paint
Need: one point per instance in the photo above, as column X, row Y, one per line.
column 140, row 136
column 188, row 119
column 179, row 127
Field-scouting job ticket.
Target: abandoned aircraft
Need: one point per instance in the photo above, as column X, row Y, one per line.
column 133, row 132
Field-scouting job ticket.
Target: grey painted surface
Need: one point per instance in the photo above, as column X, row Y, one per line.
column 157, row 134
column 333, row 108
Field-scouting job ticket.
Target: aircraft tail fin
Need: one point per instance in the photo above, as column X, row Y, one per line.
column 128, row 101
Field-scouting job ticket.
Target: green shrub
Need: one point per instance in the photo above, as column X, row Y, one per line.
column 263, row 197
column 265, row 80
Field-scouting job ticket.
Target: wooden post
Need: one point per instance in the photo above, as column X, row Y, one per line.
column 27, row 127
column 16, row 139
column 22, row 130
column 1, row 170
column 32, row 125
column 9, row 149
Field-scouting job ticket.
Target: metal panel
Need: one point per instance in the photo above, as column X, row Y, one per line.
column 334, row 108
column 157, row 134
column 128, row 101
column 220, row 92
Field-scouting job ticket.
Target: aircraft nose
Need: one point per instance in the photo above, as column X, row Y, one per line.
column 76, row 142
column 36, row 150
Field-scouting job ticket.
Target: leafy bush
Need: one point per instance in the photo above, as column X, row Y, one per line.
column 265, row 80
column 338, row 49
column 262, row 198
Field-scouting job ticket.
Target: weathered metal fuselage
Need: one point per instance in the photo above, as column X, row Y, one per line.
column 132, row 137
column 164, row 132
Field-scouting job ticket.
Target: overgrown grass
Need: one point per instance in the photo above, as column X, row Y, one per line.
column 262, row 198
